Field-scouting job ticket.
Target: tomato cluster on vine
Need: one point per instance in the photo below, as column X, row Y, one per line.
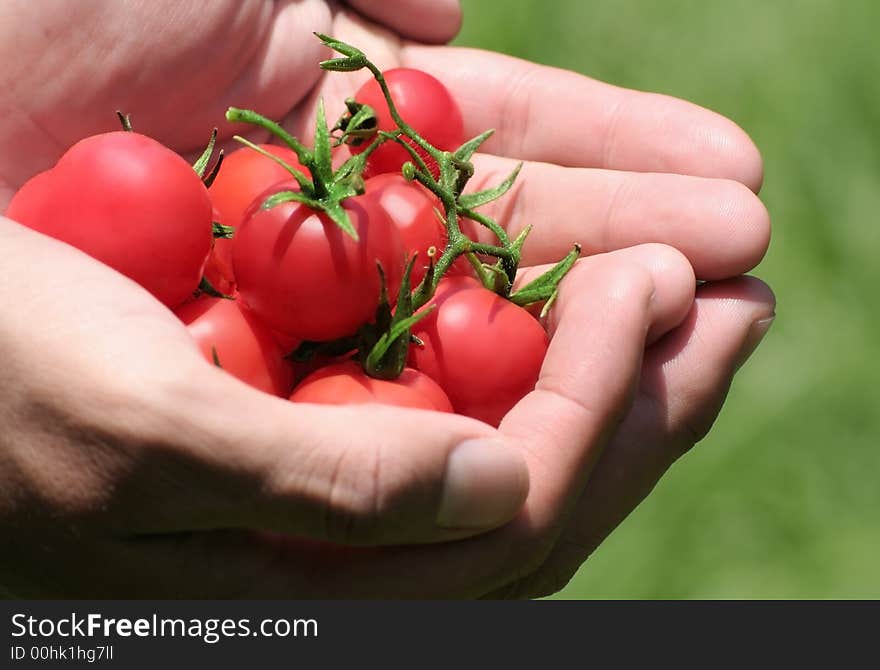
column 344, row 272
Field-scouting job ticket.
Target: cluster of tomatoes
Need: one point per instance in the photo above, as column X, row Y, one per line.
column 278, row 262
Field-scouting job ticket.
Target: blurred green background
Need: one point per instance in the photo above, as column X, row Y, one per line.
column 782, row 500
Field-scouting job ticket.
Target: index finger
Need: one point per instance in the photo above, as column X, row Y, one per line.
column 548, row 114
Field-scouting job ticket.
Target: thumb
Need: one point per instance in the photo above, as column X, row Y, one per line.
column 359, row 474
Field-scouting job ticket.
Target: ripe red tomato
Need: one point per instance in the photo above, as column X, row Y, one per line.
column 411, row 207
column 346, row 383
column 424, row 103
column 129, row 202
column 307, row 278
column 483, row 350
column 244, row 175
column 245, row 347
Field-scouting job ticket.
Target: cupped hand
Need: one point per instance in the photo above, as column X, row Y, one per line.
column 123, row 450
column 127, row 438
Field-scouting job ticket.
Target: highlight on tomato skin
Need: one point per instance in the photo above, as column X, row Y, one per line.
column 345, row 383
column 244, row 347
column 483, row 350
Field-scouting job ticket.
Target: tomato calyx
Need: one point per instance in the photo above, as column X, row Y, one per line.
column 325, row 188
column 358, row 125
column 201, row 166
column 222, row 232
column 207, row 288
column 381, row 347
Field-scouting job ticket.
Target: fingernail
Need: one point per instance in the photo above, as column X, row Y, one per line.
column 486, row 484
column 756, row 333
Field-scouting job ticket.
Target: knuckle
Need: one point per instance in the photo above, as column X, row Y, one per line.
column 352, row 504
column 628, row 283
column 371, row 497
column 696, row 424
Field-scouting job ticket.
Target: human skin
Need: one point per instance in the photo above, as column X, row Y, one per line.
column 130, row 467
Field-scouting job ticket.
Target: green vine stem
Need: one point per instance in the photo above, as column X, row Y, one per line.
column 454, row 171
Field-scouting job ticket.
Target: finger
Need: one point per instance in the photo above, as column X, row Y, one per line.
column 227, row 456
column 433, row 21
column 720, row 225
column 592, row 366
column 556, row 116
column 673, row 279
column 685, row 380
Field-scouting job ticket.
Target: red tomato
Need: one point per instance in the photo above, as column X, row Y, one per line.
column 483, row 350
column 411, row 207
column 346, row 383
column 244, row 175
column 245, row 347
column 424, row 103
column 305, row 277
column 129, row 202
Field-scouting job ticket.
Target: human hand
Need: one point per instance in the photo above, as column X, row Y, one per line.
column 611, row 210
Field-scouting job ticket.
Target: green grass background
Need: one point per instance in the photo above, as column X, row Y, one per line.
column 782, row 500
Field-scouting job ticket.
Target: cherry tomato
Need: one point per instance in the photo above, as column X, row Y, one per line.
column 307, row 278
column 412, row 209
column 425, row 104
column 243, row 176
column 245, row 347
column 346, row 383
column 129, row 202
column 483, row 350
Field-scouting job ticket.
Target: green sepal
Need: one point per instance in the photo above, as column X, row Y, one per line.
column 377, row 363
column 236, row 115
column 301, row 178
column 207, row 288
column 545, row 287
column 354, row 58
column 322, row 171
column 201, row 164
column 385, row 357
column 222, row 232
column 338, row 215
column 492, row 276
column 480, row 198
column 358, row 124
column 208, row 180
column 466, row 151
column 289, row 196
